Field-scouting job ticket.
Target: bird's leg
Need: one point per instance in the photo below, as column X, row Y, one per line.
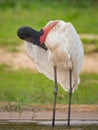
column 55, row 95
column 70, row 95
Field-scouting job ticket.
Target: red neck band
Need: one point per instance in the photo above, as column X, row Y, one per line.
column 46, row 30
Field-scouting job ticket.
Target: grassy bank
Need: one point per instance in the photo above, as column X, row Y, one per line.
column 37, row 13
column 25, row 86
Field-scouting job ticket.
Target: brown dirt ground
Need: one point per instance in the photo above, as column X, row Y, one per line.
column 17, row 60
column 20, row 59
column 78, row 112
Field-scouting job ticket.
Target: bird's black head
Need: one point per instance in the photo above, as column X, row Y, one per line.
column 29, row 34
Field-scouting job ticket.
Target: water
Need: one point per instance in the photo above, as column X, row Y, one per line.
column 43, row 126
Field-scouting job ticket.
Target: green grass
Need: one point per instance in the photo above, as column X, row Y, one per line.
column 37, row 13
column 29, row 87
column 90, row 45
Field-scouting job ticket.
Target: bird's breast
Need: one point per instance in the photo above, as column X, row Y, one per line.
column 58, row 57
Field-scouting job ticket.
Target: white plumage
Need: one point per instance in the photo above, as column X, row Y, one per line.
column 65, row 51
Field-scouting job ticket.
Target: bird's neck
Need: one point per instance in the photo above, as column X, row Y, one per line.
column 46, row 30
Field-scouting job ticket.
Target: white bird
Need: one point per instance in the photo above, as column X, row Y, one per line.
column 56, row 46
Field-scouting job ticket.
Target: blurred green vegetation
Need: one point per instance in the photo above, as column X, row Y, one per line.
column 24, row 86
column 90, row 45
column 36, row 13
column 29, row 87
